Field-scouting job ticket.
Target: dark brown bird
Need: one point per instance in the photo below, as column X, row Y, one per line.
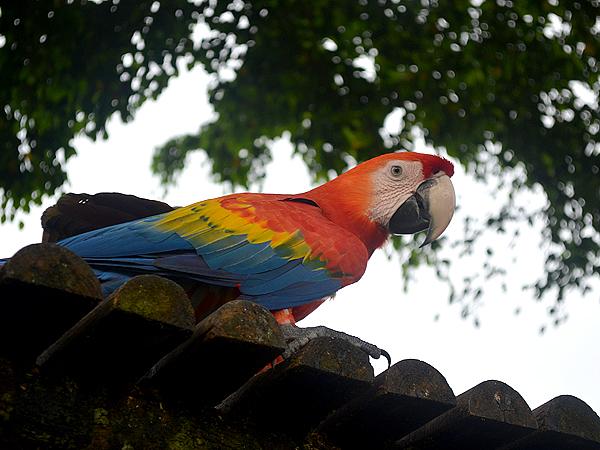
column 74, row 214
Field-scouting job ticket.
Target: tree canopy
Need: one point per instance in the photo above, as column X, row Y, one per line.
column 505, row 87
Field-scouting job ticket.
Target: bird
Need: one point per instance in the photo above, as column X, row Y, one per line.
column 77, row 213
column 286, row 252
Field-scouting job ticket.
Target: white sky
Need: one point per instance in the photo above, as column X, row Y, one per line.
column 507, row 347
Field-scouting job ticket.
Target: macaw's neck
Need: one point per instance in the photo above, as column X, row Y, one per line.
column 346, row 201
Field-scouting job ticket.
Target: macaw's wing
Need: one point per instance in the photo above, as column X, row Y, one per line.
column 279, row 252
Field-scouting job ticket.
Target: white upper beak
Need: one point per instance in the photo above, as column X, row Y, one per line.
column 441, row 201
column 430, row 207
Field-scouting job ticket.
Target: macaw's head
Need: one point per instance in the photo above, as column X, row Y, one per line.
column 401, row 193
column 412, row 193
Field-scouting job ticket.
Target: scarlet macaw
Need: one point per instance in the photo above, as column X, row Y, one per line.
column 285, row 252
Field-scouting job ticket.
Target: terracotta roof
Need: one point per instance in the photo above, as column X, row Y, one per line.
column 134, row 371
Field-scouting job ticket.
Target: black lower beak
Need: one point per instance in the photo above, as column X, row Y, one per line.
column 430, row 207
column 411, row 217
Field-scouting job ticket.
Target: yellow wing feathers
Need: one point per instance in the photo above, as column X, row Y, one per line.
column 209, row 221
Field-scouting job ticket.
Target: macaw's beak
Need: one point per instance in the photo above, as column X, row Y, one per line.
column 431, row 207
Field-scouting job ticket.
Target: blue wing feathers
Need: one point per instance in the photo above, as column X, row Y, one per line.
column 249, row 259
column 132, row 238
column 262, row 260
column 292, row 275
column 295, row 295
column 210, row 254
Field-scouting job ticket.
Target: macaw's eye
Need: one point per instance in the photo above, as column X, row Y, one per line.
column 396, row 171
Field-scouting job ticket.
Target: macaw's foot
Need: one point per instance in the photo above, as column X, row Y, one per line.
column 297, row 337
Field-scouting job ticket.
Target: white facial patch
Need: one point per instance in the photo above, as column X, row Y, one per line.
column 389, row 191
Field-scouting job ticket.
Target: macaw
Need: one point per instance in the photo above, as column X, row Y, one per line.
column 286, row 252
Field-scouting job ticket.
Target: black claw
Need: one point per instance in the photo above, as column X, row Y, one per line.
column 388, row 357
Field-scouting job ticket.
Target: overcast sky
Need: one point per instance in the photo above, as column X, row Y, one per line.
column 507, row 347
